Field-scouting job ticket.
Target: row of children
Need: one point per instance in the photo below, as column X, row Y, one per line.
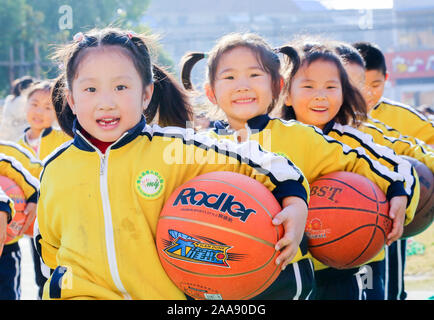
column 29, row 134
column 291, row 115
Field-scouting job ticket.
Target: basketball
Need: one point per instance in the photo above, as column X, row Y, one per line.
column 17, row 196
column 215, row 237
column 348, row 220
column 424, row 214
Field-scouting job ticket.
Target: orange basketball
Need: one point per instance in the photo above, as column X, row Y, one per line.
column 424, row 214
column 215, row 237
column 17, row 196
column 348, row 220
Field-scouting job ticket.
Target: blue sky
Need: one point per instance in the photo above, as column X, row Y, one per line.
column 357, row 4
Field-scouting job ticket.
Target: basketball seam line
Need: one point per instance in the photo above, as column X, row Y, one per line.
column 374, row 231
column 351, row 188
column 351, row 209
column 352, row 231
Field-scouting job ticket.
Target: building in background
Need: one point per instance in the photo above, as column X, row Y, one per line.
column 405, row 33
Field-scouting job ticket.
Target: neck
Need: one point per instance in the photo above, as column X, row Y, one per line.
column 101, row 145
column 33, row 133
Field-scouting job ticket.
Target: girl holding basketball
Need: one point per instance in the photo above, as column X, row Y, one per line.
column 319, row 93
column 10, row 254
column 244, row 80
column 97, row 220
column 393, row 265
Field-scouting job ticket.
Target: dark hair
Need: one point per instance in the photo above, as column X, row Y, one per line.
column 21, row 84
column 168, row 98
column 353, row 109
column 45, row 86
column 266, row 56
column 371, row 53
column 348, row 53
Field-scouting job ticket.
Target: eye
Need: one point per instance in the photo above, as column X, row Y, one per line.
column 90, row 89
column 228, row 77
column 120, row 87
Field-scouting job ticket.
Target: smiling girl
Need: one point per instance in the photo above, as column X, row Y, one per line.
column 97, row 219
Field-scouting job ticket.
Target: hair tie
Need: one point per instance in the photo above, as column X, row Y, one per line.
column 130, row 34
column 78, row 36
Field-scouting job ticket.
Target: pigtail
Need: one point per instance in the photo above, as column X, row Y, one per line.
column 169, row 100
column 292, row 64
column 187, row 63
column 64, row 114
column 292, row 54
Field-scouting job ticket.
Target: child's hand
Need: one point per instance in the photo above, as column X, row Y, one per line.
column 3, row 229
column 30, row 212
column 293, row 218
column 397, row 214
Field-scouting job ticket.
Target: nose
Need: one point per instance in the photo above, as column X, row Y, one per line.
column 242, row 84
column 320, row 95
column 106, row 102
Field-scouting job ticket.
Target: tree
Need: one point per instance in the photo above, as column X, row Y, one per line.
column 29, row 25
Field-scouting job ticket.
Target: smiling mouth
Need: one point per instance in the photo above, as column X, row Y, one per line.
column 245, row 101
column 319, row 109
column 106, row 122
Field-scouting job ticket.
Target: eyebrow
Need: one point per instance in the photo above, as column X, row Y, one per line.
column 249, row 68
column 114, row 79
column 312, row 80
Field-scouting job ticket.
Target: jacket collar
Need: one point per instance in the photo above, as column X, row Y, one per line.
column 257, row 123
column 45, row 132
column 327, row 128
column 83, row 144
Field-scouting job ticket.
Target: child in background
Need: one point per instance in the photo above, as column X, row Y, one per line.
column 319, row 93
column 244, row 81
column 354, row 65
column 400, row 118
column 41, row 138
column 13, row 120
column 10, row 260
column 34, row 166
column 404, row 118
column 96, row 220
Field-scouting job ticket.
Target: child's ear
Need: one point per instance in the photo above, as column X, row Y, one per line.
column 149, row 90
column 288, row 100
column 70, row 99
column 386, row 77
column 210, row 93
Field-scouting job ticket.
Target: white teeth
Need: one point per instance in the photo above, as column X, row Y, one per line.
column 108, row 121
column 244, row 100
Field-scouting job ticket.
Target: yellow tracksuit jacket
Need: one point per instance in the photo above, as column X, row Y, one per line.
column 400, row 144
column 97, row 220
column 11, row 168
column 405, row 119
column 25, row 158
column 49, row 140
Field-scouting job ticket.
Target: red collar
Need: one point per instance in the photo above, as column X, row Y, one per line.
column 101, row 145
